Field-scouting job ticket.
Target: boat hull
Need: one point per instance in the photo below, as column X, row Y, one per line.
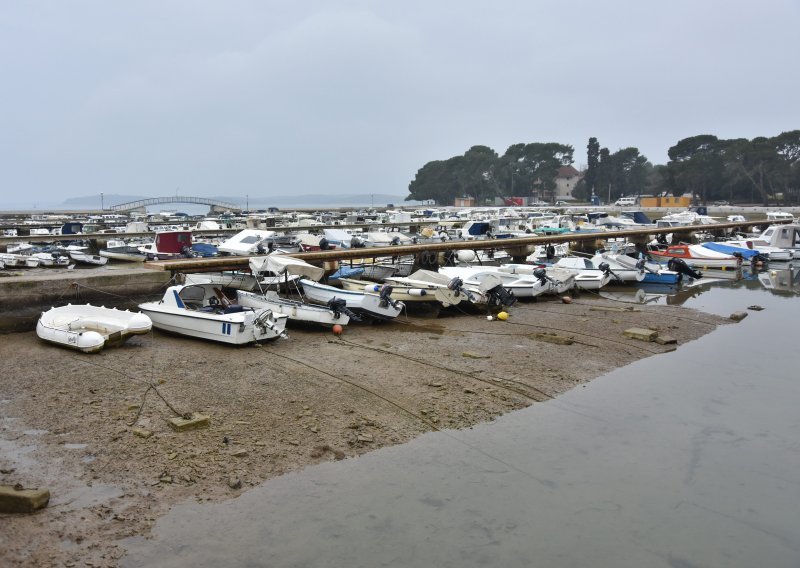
column 90, row 328
column 295, row 311
column 370, row 305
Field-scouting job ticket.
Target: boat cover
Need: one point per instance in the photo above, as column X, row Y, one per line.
column 747, row 254
column 282, row 264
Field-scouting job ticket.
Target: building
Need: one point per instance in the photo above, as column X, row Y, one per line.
column 465, row 202
column 566, row 180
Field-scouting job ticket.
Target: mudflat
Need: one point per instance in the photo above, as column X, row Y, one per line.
column 95, row 429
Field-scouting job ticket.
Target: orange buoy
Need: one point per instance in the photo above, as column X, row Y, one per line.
column 566, row 300
column 337, row 329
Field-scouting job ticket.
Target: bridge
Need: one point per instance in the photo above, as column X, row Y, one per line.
column 141, row 205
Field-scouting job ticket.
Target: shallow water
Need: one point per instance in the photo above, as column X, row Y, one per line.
column 685, row 459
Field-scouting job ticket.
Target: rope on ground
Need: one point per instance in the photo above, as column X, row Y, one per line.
column 428, row 423
column 457, row 371
column 150, row 386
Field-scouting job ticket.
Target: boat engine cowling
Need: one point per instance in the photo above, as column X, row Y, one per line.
column 499, row 296
column 386, row 296
column 339, row 306
column 679, row 265
column 541, row 275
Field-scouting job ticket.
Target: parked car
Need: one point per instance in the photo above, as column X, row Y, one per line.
column 721, row 203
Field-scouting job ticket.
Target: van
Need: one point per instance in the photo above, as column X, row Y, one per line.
column 625, row 201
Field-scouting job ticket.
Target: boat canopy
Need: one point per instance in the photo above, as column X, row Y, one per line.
column 281, row 264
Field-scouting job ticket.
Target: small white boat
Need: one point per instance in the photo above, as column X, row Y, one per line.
column 90, row 328
column 50, row 259
column 83, row 257
column 405, row 291
column 376, row 306
column 15, row 260
column 523, row 285
column 203, row 311
column 119, row 250
column 329, row 315
column 587, row 276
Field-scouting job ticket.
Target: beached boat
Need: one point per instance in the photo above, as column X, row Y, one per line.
column 168, row 245
column 406, row 291
column 90, row 328
column 521, row 284
column 376, row 306
column 49, row 259
column 696, row 256
column 203, row 311
column 587, row 275
column 288, row 269
column 119, row 250
column 83, row 257
column 629, row 269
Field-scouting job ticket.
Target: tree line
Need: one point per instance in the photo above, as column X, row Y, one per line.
column 762, row 170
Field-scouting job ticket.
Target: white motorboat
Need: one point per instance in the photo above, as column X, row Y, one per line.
column 377, row 306
column 287, row 269
column 407, row 291
column 16, row 260
column 119, row 250
column 233, row 280
column 522, row 285
column 90, row 328
column 203, row 311
column 250, row 242
column 50, row 259
column 629, row 269
column 300, row 312
column 472, row 294
column 785, row 237
column 83, row 257
column 587, row 276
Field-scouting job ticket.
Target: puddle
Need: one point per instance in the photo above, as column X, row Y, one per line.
column 86, row 496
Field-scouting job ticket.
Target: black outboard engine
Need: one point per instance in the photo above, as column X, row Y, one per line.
column 324, row 244
column 338, row 306
column 386, row 296
column 541, row 275
column 395, row 241
column 357, row 243
column 499, row 296
column 679, row 265
column 456, row 284
column 606, row 269
column 550, row 252
column 186, row 252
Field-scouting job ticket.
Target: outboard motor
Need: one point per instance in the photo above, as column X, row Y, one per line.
column 395, row 241
column 499, row 296
column 541, row 275
column 355, row 243
column 386, row 297
column 338, row 306
column 324, row 244
column 456, row 285
column 606, row 269
column 679, row 265
column 550, row 252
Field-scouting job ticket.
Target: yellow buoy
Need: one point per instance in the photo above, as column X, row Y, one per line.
column 503, row 316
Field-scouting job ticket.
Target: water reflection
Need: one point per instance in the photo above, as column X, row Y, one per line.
column 684, row 459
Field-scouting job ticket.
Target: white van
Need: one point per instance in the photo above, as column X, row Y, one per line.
column 625, row 201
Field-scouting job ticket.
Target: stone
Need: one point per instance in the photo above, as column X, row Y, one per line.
column 641, row 334
column 142, row 432
column 738, row 316
column 666, row 340
column 755, row 308
column 239, row 453
column 365, row 438
column 552, row 338
column 473, row 355
column 16, row 499
column 180, row 424
column 234, row 482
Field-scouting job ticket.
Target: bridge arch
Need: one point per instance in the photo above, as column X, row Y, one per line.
column 214, row 204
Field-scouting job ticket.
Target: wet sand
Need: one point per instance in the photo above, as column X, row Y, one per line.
column 73, row 423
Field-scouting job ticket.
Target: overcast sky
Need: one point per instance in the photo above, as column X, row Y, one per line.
column 273, row 98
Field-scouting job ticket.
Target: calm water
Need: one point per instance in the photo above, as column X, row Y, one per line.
column 686, row 459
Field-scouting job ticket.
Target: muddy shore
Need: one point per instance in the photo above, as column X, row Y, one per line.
column 94, row 429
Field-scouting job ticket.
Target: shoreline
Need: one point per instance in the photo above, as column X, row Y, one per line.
column 68, row 419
